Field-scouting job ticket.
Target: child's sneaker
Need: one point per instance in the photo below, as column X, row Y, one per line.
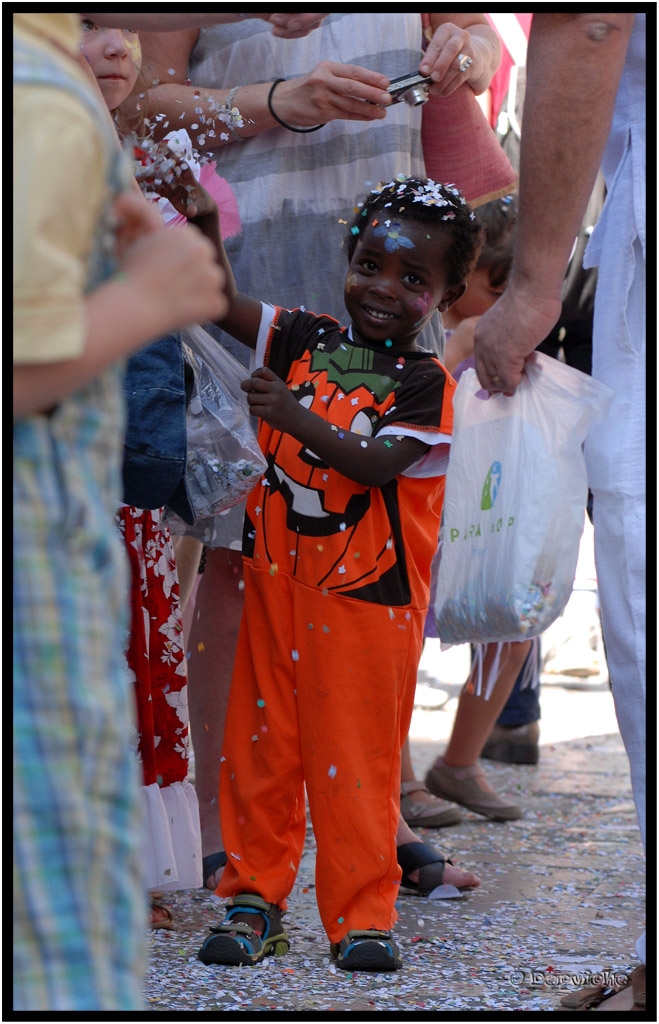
column 238, row 943
column 367, row 951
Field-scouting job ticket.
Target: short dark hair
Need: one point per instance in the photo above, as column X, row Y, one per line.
column 427, row 202
column 499, row 218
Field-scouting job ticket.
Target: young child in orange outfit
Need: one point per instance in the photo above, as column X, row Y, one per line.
column 338, row 541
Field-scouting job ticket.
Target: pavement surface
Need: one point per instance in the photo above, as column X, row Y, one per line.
column 561, row 899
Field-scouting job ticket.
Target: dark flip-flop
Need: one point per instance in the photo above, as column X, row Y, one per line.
column 427, row 859
column 212, row 863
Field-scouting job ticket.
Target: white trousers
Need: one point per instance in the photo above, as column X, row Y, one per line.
column 616, row 455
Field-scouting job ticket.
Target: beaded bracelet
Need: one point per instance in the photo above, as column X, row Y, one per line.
column 302, row 131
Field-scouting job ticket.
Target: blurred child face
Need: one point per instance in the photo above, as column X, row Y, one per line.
column 396, row 280
column 115, row 57
column 479, row 296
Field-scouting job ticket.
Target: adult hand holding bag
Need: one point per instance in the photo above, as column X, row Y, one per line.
column 516, row 493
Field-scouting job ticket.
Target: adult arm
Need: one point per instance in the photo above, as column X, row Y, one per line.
column 574, row 66
column 327, row 92
column 468, row 34
column 289, row 25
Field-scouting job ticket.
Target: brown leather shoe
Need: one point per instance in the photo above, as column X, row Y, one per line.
column 513, row 744
column 461, row 786
column 435, row 814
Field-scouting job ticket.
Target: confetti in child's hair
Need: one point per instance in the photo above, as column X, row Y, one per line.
column 430, row 193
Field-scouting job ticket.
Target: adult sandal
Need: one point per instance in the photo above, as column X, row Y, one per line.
column 211, row 864
column 367, row 951
column 513, row 744
column 436, row 814
column 592, row 996
column 236, row 943
column 428, row 860
column 166, row 922
column 461, row 786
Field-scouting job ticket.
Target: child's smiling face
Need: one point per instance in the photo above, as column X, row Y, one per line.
column 396, row 280
column 115, row 57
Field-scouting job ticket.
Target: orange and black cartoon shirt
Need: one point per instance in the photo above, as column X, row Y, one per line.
column 306, row 519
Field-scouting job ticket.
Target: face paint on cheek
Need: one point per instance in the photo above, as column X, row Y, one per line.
column 423, row 303
column 135, row 51
column 351, row 281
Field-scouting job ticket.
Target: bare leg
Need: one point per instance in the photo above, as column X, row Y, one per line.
column 418, row 806
column 476, row 716
column 211, row 648
column 457, row 775
column 188, row 553
column 406, row 769
column 421, row 795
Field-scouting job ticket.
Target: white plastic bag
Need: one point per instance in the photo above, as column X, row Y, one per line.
column 516, row 493
column 224, row 461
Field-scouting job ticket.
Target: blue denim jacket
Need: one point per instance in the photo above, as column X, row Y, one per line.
column 157, row 386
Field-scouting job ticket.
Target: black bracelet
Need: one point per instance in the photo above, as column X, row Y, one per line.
column 283, row 123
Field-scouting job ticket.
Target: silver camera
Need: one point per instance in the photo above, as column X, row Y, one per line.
column 413, row 89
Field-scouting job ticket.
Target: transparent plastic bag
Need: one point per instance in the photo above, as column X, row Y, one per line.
column 224, row 461
column 516, row 492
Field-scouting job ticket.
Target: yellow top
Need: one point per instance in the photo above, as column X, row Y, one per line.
column 59, row 192
column 63, row 29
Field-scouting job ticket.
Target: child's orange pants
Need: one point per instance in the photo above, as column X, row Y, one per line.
column 322, row 695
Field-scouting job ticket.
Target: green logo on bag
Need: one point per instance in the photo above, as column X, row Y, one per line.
column 491, row 486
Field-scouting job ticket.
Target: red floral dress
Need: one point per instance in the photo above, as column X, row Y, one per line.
column 157, row 664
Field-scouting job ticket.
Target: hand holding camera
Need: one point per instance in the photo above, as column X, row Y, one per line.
column 411, row 89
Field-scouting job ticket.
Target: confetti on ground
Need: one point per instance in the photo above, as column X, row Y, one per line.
column 445, row 892
column 556, row 886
